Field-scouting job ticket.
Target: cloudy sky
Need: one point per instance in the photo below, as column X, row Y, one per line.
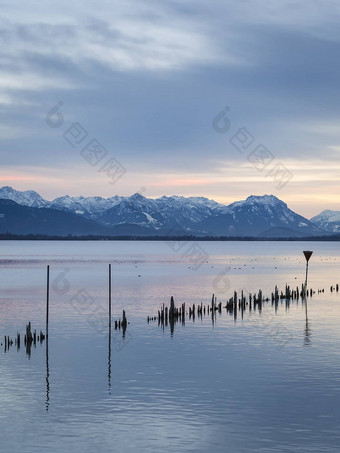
column 148, row 81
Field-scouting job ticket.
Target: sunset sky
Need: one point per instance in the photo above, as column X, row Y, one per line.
column 147, row 79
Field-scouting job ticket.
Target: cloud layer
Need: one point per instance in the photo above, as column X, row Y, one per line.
column 147, row 79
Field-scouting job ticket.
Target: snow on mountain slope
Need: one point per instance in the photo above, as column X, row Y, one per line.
column 135, row 209
column 201, row 216
column 328, row 220
column 188, row 211
column 266, row 200
column 256, row 215
column 89, row 207
column 27, row 198
column 165, row 214
column 179, row 215
column 158, row 212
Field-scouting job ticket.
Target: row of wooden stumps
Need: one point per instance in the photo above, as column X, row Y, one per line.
column 172, row 314
column 30, row 338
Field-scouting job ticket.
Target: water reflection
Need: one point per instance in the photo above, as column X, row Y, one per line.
column 109, row 361
column 30, row 340
column 308, row 333
column 172, row 315
column 161, row 396
column 47, row 378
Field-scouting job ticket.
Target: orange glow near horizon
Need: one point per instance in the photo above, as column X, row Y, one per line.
column 17, row 178
column 307, row 196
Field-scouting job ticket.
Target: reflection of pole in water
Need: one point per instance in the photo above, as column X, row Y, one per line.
column 110, row 297
column 172, row 325
column 47, row 378
column 307, row 339
column 109, row 362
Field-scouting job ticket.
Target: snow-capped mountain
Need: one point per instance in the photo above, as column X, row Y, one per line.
column 188, row 212
column 136, row 210
column 157, row 213
column 256, row 216
column 328, row 220
column 89, row 207
column 166, row 215
column 26, row 198
column 259, row 215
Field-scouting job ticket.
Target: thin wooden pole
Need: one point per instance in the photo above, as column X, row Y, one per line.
column 47, row 298
column 109, row 358
column 110, row 296
column 306, row 275
column 47, row 363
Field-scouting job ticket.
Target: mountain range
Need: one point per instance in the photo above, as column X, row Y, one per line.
column 257, row 216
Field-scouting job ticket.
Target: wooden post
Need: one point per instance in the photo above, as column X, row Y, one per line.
column 42, row 336
column 124, row 323
column 110, row 296
column 47, row 298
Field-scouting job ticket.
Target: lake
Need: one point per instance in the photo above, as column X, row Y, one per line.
column 262, row 381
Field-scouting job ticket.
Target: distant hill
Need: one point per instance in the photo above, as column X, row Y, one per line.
column 18, row 219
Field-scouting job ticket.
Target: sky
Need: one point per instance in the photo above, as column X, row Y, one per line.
column 222, row 99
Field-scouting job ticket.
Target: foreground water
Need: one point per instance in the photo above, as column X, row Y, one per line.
column 266, row 383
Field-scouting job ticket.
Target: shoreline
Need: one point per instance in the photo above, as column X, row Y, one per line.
column 38, row 237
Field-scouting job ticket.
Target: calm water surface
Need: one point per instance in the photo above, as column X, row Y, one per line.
column 267, row 382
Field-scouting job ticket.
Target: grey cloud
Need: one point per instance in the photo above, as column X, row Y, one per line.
column 275, row 70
